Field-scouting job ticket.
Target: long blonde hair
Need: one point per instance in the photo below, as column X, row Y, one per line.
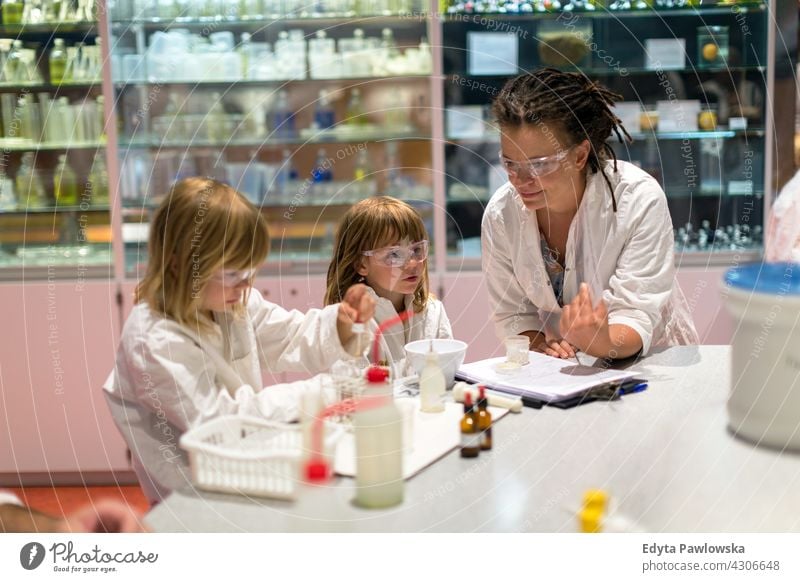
column 371, row 224
column 201, row 226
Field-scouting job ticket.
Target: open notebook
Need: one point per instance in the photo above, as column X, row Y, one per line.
column 544, row 378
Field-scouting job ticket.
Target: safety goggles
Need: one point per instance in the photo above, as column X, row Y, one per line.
column 534, row 167
column 230, row 278
column 398, row 256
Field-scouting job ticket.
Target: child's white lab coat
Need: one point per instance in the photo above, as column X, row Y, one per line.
column 626, row 257
column 169, row 379
column 430, row 323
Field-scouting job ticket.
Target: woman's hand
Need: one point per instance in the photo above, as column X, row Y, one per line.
column 357, row 306
column 556, row 347
column 583, row 324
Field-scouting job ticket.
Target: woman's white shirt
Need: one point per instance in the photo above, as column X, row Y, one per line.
column 626, row 257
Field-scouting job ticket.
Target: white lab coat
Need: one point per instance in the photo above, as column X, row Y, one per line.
column 783, row 229
column 627, row 258
column 168, row 379
column 8, row 498
column 430, row 323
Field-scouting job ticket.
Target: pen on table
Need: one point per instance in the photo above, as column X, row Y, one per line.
column 577, row 359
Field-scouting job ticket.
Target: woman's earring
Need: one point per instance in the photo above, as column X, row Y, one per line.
column 361, row 279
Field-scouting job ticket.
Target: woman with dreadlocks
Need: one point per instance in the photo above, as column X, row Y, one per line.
column 577, row 246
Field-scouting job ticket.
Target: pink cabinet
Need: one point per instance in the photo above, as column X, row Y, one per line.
column 59, row 349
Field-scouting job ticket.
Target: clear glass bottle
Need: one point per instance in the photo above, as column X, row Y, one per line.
column 16, row 67
column 30, row 188
column 65, row 183
column 98, row 178
column 355, row 114
column 245, row 51
column 215, row 121
column 388, row 44
column 287, row 176
column 8, row 200
column 282, row 118
column 324, row 115
column 58, row 62
column 322, row 171
column 362, row 170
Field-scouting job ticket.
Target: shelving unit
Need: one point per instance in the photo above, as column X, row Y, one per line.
column 446, row 175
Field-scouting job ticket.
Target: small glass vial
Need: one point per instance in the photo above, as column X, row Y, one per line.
column 470, row 438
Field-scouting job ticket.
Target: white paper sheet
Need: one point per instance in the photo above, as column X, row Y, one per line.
column 544, row 377
column 434, row 435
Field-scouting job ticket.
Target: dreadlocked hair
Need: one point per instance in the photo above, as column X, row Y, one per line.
column 581, row 107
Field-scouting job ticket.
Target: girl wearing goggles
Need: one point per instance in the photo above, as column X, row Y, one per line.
column 382, row 242
column 195, row 345
column 577, row 246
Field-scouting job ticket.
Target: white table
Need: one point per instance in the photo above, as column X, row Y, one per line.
column 665, row 456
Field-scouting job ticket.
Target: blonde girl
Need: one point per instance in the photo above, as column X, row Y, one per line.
column 196, row 343
column 382, row 242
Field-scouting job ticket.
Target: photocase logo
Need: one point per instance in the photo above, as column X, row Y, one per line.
column 32, row 555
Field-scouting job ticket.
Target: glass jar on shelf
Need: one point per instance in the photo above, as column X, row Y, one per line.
column 30, row 186
column 712, row 46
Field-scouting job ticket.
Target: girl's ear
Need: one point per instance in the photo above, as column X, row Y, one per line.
column 362, row 267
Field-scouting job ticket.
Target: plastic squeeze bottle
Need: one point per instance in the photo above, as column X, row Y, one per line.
column 431, row 384
column 378, row 428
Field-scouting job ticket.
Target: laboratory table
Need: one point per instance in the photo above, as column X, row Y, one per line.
column 665, row 456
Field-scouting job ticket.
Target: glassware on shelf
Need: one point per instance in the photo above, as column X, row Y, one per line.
column 30, row 187
column 215, row 120
column 323, row 60
column 322, row 171
column 65, row 184
column 355, row 114
column 8, row 200
column 396, row 118
column 712, row 46
column 15, row 70
column 58, row 62
column 12, row 12
column 282, row 116
column 246, row 57
column 98, row 179
column 324, row 115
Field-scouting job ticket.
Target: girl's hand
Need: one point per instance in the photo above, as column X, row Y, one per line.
column 356, row 306
column 104, row 516
column 582, row 324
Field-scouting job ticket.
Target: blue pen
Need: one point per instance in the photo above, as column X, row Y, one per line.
column 641, row 387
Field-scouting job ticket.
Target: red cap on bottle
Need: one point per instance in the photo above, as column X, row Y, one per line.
column 467, row 398
column 317, row 471
column 377, row 375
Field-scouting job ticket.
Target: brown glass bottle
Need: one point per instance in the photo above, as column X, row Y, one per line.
column 470, row 445
column 484, row 421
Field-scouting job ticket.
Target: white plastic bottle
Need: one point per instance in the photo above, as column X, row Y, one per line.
column 431, row 384
column 378, row 428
